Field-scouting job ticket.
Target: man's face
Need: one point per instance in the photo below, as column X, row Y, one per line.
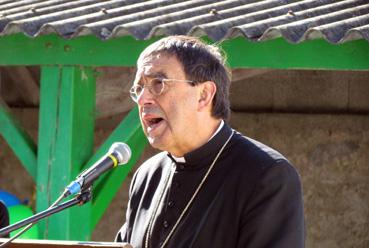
column 168, row 120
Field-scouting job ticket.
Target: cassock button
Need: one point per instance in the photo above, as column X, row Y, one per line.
column 165, row 224
column 170, row 203
column 176, row 184
column 181, row 166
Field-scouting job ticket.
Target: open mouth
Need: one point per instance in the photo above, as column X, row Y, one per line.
column 154, row 121
column 153, row 124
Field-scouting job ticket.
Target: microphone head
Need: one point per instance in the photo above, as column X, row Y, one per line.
column 122, row 151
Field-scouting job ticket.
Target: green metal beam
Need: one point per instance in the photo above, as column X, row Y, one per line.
column 18, row 49
column 19, row 141
column 313, row 54
column 104, row 190
column 53, row 50
column 66, row 130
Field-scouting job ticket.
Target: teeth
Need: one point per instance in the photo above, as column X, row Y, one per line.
column 151, row 122
column 155, row 121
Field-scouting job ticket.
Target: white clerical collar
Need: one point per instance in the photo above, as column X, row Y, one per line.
column 182, row 159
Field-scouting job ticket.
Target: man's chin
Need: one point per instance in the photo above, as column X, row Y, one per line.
column 156, row 143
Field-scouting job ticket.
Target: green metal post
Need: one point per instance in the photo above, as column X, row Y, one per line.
column 130, row 132
column 66, row 129
column 19, row 141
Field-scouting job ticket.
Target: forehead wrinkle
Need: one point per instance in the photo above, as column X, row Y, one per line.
column 145, row 75
column 154, row 66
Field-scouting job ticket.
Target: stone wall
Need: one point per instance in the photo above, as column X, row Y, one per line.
column 331, row 155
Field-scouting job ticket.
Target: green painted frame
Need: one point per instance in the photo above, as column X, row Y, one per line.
column 65, row 148
column 91, row 51
column 18, row 139
column 65, row 143
column 68, row 63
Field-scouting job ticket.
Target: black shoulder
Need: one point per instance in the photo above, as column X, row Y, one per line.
column 150, row 170
column 254, row 153
column 153, row 164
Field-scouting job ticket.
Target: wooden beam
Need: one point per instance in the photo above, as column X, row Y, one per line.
column 89, row 50
column 28, row 243
column 66, row 130
column 18, row 139
column 130, row 132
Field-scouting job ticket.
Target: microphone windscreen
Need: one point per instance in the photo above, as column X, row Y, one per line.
column 122, row 151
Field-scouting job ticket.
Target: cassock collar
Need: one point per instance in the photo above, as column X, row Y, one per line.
column 205, row 154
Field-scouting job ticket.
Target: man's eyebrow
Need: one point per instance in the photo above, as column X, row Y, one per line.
column 158, row 74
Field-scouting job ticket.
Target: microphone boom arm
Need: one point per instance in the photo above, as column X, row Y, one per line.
column 80, row 199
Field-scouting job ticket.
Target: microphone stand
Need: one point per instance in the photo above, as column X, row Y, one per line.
column 80, row 199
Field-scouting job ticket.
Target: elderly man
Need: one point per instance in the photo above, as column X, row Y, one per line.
column 211, row 186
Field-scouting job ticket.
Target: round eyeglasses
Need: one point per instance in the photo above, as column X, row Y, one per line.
column 156, row 87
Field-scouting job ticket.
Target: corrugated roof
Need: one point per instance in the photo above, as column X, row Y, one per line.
column 296, row 21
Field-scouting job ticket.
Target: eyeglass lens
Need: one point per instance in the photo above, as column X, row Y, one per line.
column 156, row 87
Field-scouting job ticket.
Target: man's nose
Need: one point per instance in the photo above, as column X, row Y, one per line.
column 146, row 97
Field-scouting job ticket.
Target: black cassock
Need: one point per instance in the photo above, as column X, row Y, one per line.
column 4, row 217
column 251, row 198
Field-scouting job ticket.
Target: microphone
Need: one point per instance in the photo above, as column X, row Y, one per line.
column 119, row 153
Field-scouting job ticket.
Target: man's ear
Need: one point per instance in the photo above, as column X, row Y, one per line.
column 207, row 92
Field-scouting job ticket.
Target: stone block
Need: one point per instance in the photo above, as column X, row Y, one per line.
column 359, row 92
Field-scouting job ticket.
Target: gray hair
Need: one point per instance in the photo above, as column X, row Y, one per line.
column 201, row 62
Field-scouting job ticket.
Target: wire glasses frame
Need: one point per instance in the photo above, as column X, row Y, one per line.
column 156, row 87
